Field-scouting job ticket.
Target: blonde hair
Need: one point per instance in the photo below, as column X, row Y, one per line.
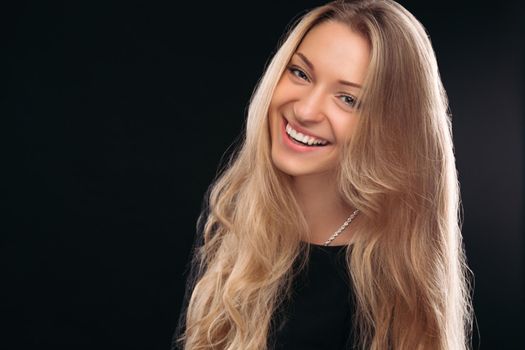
column 407, row 264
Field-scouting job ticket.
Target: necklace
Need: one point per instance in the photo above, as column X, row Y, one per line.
column 343, row 226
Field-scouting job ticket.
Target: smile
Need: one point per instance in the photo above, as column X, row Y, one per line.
column 304, row 139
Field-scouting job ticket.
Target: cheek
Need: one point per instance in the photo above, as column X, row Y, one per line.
column 275, row 107
column 283, row 92
column 344, row 128
column 276, row 99
column 273, row 117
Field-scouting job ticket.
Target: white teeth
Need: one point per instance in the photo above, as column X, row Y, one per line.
column 304, row 138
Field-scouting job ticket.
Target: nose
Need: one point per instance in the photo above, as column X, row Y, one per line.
column 309, row 107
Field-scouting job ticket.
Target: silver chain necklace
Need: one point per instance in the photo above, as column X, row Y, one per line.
column 343, row 226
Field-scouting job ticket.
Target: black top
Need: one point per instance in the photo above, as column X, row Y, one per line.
column 319, row 313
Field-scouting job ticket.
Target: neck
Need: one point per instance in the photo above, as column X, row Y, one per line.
column 324, row 209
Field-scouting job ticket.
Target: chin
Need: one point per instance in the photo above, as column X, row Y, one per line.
column 293, row 169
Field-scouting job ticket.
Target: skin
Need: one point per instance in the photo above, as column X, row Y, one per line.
column 314, row 101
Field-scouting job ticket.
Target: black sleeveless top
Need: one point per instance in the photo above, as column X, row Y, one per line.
column 319, row 313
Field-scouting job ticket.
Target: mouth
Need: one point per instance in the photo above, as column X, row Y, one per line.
column 302, row 139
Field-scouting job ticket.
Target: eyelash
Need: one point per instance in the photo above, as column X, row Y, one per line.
column 293, row 69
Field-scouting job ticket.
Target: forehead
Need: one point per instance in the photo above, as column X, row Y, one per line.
column 336, row 51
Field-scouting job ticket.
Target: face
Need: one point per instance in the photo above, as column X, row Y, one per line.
column 312, row 113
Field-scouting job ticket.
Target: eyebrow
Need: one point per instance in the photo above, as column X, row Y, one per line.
column 311, row 66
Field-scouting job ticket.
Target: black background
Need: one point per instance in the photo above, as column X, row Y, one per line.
column 118, row 116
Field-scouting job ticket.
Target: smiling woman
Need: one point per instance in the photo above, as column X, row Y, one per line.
column 336, row 224
column 310, row 103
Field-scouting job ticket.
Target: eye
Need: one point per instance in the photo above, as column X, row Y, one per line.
column 298, row 73
column 349, row 100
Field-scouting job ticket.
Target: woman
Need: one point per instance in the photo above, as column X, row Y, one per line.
column 336, row 224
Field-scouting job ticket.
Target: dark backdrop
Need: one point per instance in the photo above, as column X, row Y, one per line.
column 122, row 113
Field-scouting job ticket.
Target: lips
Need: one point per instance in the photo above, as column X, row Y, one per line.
column 296, row 146
column 304, row 139
column 303, row 136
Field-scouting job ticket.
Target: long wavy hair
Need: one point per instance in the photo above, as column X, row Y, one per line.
column 406, row 260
